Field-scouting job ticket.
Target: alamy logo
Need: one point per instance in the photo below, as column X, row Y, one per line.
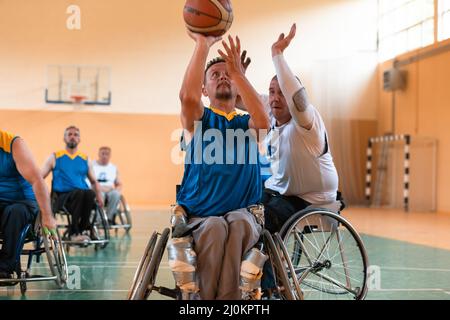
column 73, row 22
column 74, row 277
column 216, row 147
column 374, row 278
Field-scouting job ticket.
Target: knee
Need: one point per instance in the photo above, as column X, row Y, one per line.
column 18, row 212
column 114, row 194
column 216, row 227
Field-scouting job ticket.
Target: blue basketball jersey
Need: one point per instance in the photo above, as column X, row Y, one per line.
column 222, row 172
column 13, row 187
column 70, row 172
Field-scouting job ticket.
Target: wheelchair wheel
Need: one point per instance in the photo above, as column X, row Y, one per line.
column 328, row 255
column 145, row 287
column 280, row 274
column 124, row 214
column 100, row 228
column 143, row 265
column 56, row 258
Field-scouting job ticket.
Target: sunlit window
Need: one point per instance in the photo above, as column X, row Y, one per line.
column 405, row 25
column 444, row 20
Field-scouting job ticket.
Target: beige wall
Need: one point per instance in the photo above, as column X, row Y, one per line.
column 141, row 146
column 145, row 44
column 423, row 110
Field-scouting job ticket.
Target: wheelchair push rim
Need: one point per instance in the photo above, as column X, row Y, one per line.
column 328, row 256
column 147, row 283
column 143, row 263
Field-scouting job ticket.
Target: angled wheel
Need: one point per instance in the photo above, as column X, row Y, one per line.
column 100, row 228
column 56, row 258
column 281, row 277
column 328, row 255
column 124, row 214
column 145, row 260
column 145, row 286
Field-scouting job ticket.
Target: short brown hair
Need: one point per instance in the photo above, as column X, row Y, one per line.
column 105, row 148
column 71, row 127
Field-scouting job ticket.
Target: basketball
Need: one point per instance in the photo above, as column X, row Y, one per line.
column 208, row 17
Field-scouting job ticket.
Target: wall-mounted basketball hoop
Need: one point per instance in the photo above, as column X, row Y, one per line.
column 77, row 84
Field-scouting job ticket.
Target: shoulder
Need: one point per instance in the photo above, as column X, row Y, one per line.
column 6, row 141
column 59, row 154
column 83, row 156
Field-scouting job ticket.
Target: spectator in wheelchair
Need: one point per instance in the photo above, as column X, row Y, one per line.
column 70, row 190
column 107, row 176
column 23, row 194
column 217, row 188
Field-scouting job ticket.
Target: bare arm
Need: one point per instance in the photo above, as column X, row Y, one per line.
column 250, row 98
column 95, row 185
column 118, row 183
column 293, row 90
column 29, row 170
column 191, row 90
column 48, row 167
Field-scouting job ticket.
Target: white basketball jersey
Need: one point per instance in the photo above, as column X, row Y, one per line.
column 105, row 175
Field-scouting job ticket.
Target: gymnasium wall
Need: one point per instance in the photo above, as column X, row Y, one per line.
column 147, row 49
column 423, row 110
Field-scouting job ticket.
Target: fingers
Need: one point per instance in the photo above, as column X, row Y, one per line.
column 281, row 37
column 292, row 32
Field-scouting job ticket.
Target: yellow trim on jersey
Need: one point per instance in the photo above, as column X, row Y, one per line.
column 5, row 141
column 229, row 116
column 62, row 153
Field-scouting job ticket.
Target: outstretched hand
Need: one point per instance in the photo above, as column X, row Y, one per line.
column 283, row 42
column 245, row 61
column 200, row 38
column 233, row 56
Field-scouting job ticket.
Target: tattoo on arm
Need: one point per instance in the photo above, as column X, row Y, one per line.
column 300, row 100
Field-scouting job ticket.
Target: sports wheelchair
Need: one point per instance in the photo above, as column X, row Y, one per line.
column 122, row 217
column 39, row 242
column 317, row 255
column 99, row 232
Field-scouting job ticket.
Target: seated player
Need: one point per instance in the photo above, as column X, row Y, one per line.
column 70, row 170
column 107, row 176
column 23, row 194
column 217, row 187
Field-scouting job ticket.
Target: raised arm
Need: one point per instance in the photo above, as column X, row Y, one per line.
column 191, row 89
column 292, row 88
column 29, row 170
column 250, row 98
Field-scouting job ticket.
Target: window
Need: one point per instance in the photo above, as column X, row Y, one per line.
column 444, row 20
column 405, row 25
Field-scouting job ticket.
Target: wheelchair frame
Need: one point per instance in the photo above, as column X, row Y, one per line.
column 123, row 213
column 146, row 273
column 96, row 226
column 53, row 249
column 284, row 263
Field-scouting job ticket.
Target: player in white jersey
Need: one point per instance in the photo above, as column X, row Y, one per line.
column 107, row 176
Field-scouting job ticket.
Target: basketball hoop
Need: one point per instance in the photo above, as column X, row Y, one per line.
column 76, row 99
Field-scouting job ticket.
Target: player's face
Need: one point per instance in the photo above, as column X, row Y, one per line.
column 277, row 102
column 218, row 83
column 72, row 138
column 104, row 156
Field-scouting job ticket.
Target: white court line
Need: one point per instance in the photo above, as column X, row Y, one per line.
column 61, row 290
column 406, row 290
column 415, row 269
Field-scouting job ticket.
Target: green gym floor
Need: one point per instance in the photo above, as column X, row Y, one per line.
column 407, row 270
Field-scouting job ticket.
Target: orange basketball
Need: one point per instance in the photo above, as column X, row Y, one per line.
column 208, row 17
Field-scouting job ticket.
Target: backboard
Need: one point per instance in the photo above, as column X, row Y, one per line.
column 78, row 84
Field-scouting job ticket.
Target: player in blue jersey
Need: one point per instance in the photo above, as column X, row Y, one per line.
column 71, row 169
column 22, row 194
column 222, row 174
